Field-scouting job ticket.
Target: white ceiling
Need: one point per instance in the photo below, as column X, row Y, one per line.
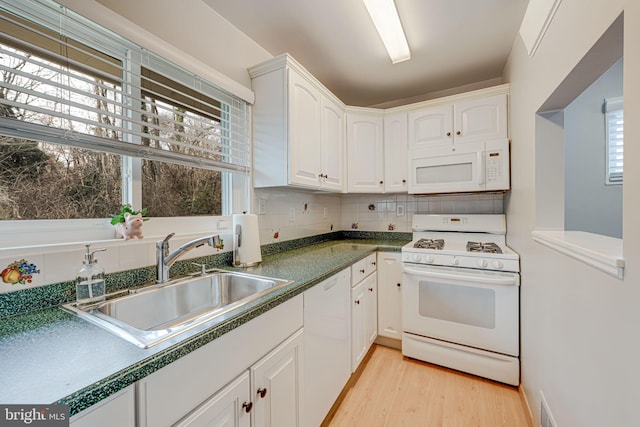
column 453, row 42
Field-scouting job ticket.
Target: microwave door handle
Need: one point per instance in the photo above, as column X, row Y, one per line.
column 480, row 170
column 482, row 279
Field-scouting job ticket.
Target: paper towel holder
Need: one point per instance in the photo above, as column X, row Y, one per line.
column 237, row 262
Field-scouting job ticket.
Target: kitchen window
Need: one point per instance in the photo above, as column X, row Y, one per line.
column 89, row 121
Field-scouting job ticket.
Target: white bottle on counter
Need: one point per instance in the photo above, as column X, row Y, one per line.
column 90, row 286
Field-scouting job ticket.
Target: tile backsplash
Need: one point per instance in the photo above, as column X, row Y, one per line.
column 284, row 214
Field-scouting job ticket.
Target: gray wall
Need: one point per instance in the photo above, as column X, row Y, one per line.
column 590, row 205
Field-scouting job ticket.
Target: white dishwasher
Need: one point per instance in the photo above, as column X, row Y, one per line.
column 327, row 345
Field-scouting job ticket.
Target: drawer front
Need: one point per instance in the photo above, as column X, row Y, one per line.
column 359, row 271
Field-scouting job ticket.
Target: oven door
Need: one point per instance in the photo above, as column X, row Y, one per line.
column 470, row 307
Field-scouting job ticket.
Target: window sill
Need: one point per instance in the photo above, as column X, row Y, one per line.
column 598, row 251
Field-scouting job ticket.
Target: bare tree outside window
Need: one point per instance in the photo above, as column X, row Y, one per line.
column 48, row 181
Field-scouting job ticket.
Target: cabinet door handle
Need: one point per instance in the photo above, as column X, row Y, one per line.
column 262, row 392
column 247, row 406
column 373, row 263
column 458, row 133
column 381, row 182
column 398, row 284
column 448, row 133
column 362, row 271
column 357, row 301
column 404, row 181
column 370, row 289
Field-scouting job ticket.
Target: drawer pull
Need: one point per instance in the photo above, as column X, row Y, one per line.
column 262, row 392
column 247, row 406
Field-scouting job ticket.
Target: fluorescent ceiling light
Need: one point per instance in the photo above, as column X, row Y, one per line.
column 385, row 17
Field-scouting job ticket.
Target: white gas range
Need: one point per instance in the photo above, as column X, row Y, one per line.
column 461, row 295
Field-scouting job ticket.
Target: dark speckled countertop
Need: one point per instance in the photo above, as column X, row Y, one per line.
column 51, row 356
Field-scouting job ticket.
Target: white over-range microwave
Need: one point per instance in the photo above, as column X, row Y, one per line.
column 460, row 168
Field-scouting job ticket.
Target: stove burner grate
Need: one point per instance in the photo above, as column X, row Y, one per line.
column 485, row 247
column 429, row 244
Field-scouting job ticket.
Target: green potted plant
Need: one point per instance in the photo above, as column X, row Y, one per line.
column 128, row 222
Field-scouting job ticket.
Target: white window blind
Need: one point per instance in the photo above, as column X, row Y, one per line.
column 614, row 126
column 69, row 81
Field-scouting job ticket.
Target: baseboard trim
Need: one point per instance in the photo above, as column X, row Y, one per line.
column 525, row 403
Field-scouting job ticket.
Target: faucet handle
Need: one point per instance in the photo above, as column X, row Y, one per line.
column 203, row 268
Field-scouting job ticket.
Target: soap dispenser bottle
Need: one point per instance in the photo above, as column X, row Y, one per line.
column 90, row 287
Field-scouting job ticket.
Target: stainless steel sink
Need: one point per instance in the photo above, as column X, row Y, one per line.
column 161, row 312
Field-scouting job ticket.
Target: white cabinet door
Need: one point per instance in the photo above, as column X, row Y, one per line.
column 395, row 153
column 371, row 306
column 116, row 410
column 390, row 295
column 277, row 382
column 365, row 151
column 332, row 146
column 431, row 127
column 327, row 345
column 465, row 121
column 230, row 407
column 298, row 129
column 304, row 131
column 481, row 119
column 358, row 325
column 364, row 321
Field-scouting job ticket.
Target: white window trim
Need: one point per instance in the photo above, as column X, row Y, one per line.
column 613, row 107
column 59, row 235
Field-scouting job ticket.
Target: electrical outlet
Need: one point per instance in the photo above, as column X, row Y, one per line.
column 325, row 213
column 400, row 210
column 262, row 206
column 292, row 214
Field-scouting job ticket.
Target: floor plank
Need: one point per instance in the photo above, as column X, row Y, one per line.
column 397, row 391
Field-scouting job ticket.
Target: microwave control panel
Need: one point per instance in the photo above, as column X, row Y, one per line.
column 497, row 165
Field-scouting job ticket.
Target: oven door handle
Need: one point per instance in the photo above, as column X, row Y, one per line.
column 484, row 279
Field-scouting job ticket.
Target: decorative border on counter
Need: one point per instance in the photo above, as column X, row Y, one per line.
column 42, row 297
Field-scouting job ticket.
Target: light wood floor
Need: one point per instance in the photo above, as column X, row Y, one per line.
column 396, row 391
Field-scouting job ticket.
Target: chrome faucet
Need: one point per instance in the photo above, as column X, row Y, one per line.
column 165, row 259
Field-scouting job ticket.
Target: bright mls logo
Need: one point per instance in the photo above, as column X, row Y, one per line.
column 34, row 415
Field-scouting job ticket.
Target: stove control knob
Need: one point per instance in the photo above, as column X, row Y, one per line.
column 455, row 261
column 416, row 257
column 482, row 262
column 429, row 259
column 497, row 264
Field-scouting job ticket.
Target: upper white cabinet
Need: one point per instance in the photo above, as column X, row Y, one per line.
column 332, row 153
column 298, row 129
column 365, row 151
column 395, row 152
column 464, row 121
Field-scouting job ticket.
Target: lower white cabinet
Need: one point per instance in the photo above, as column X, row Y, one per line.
column 268, row 394
column 116, row 410
column 327, row 345
column 390, row 295
column 364, row 318
column 173, row 392
column 227, row 408
column 277, row 383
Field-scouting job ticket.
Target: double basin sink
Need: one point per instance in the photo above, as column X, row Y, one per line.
column 167, row 311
